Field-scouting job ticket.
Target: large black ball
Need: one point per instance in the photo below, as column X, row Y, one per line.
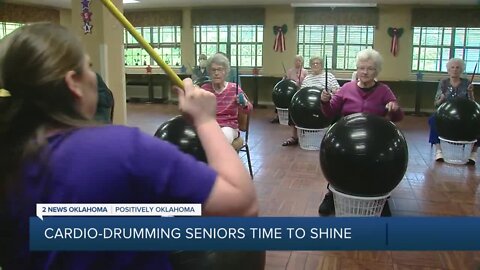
column 458, row 120
column 213, row 260
column 306, row 109
column 283, row 92
column 202, row 80
column 181, row 133
column 364, row 155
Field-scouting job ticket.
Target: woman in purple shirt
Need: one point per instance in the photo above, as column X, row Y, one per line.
column 365, row 95
column 52, row 152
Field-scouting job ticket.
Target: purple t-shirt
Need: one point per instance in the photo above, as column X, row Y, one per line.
column 352, row 99
column 109, row 164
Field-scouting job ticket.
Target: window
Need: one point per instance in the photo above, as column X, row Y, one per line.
column 164, row 39
column 7, row 27
column 433, row 46
column 210, row 39
column 340, row 43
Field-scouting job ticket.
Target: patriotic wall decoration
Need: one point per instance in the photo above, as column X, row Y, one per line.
column 395, row 34
column 87, row 17
column 279, row 32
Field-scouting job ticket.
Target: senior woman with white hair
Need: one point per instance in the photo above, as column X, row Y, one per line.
column 450, row 88
column 363, row 96
column 230, row 97
column 317, row 78
column 297, row 73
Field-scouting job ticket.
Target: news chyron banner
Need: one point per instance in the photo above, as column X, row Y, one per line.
column 142, row 227
column 117, row 209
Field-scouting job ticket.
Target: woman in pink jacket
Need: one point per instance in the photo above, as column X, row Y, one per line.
column 366, row 95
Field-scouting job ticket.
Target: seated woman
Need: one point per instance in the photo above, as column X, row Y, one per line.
column 366, row 96
column 297, row 73
column 230, row 97
column 449, row 88
column 315, row 78
column 53, row 152
column 200, row 71
column 105, row 102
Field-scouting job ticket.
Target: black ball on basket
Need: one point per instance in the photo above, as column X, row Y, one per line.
column 283, row 92
column 181, row 133
column 4, row 104
column 208, row 260
column 202, row 80
column 458, row 120
column 306, row 109
column 364, row 155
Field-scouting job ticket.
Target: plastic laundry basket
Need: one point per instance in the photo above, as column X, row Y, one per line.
column 354, row 206
column 309, row 139
column 456, row 152
column 283, row 116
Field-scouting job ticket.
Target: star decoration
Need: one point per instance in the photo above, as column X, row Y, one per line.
column 85, row 4
column 419, row 76
column 87, row 16
column 87, row 28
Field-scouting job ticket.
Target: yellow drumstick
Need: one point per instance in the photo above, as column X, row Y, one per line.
column 121, row 18
column 4, row 93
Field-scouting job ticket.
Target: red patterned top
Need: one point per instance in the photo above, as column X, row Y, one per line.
column 227, row 105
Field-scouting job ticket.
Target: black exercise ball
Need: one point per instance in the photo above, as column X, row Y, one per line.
column 215, row 260
column 201, row 81
column 283, row 92
column 306, row 109
column 181, row 133
column 364, row 155
column 4, row 104
column 458, row 120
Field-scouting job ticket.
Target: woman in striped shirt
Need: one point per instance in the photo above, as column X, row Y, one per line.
column 316, row 78
column 230, row 97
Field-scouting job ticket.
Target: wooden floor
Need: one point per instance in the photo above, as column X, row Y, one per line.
column 289, row 182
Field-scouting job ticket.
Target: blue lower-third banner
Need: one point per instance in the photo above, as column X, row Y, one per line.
column 263, row 233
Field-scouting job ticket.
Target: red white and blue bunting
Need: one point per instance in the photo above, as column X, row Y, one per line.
column 395, row 34
column 279, row 32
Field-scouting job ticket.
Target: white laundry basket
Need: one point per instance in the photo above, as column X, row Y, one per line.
column 456, row 152
column 310, row 139
column 283, row 116
column 354, row 206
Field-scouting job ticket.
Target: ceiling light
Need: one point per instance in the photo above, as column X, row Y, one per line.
column 333, row 4
column 130, row 1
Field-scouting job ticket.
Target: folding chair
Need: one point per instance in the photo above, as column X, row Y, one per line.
column 240, row 144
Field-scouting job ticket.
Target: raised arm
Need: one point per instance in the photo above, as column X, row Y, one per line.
column 243, row 101
column 332, row 103
column 470, row 93
column 333, row 85
column 439, row 96
column 394, row 112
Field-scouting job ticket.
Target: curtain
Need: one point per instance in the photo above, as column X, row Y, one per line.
column 228, row 16
column 155, row 18
column 336, row 16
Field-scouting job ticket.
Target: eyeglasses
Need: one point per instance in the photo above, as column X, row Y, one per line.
column 368, row 69
column 220, row 69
